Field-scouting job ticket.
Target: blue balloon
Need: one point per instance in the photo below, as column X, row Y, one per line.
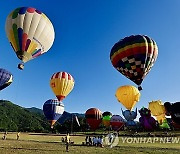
column 53, row 109
column 6, row 78
column 129, row 115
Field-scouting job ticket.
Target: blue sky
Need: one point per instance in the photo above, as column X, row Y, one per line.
column 85, row 32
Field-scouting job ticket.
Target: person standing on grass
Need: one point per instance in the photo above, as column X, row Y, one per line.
column 95, row 141
column 101, row 141
column 5, row 135
column 86, row 140
column 18, row 135
column 67, row 142
column 62, row 139
column 90, row 140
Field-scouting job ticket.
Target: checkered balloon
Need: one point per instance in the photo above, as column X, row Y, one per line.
column 134, row 56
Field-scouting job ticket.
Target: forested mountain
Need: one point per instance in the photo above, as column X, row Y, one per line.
column 35, row 110
column 17, row 118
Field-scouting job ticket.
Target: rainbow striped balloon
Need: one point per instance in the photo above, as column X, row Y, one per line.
column 30, row 32
column 134, row 56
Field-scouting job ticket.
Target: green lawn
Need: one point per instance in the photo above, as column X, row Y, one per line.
column 51, row 144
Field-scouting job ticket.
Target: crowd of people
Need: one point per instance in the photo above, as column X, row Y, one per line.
column 94, row 141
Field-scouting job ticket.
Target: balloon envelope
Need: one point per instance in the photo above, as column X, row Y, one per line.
column 61, row 84
column 116, row 122
column 128, row 96
column 146, row 120
column 6, row 78
column 107, row 113
column 129, row 115
column 158, row 110
column 93, row 118
column 134, row 57
column 106, row 118
column 53, row 109
column 173, row 109
column 30, row 32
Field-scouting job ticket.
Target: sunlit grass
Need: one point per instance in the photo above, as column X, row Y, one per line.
column 31, row 143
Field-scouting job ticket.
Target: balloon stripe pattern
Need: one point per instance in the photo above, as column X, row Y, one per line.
column 6, row 78
column 53, row 109
column 116, row 122
column 30, row 32
column 134, row 56
column 93, row 117
column 62, row 84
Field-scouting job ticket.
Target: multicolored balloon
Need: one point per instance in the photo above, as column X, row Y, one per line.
column 106, row 118
column 6, row 78
column 61, row 84
column 134, row 57
column 53, row 109
column 116, row 122
column 128, row 96
column 93, row 117
column 30, row 33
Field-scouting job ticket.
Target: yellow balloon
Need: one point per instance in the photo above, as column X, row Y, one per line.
column 61, row 84
column 128, row 96
column 158, row 110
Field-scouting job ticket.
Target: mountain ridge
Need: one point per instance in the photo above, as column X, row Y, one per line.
column 16, row 118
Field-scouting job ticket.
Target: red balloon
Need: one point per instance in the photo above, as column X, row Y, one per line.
column 93, row 118
column 116, row 122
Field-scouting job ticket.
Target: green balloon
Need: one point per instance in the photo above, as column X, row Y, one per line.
column 108, row 117
column 164, row 124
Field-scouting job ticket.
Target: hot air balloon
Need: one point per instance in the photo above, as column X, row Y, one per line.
column 172, row 109
column 106, row 113
column 106, row 118
column 146, row 120
column 116, row 122
column 6, row 78
column 93, row 117
column 134, row 57
column 130, row 116
column 128, row 96
column 61, row 84
column 30, row 33
column 158, row 110
column 53, row 109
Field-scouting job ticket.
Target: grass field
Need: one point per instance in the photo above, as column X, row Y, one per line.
column 31, row 143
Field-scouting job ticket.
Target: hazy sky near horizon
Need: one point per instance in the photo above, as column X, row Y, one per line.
column 85, row 32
